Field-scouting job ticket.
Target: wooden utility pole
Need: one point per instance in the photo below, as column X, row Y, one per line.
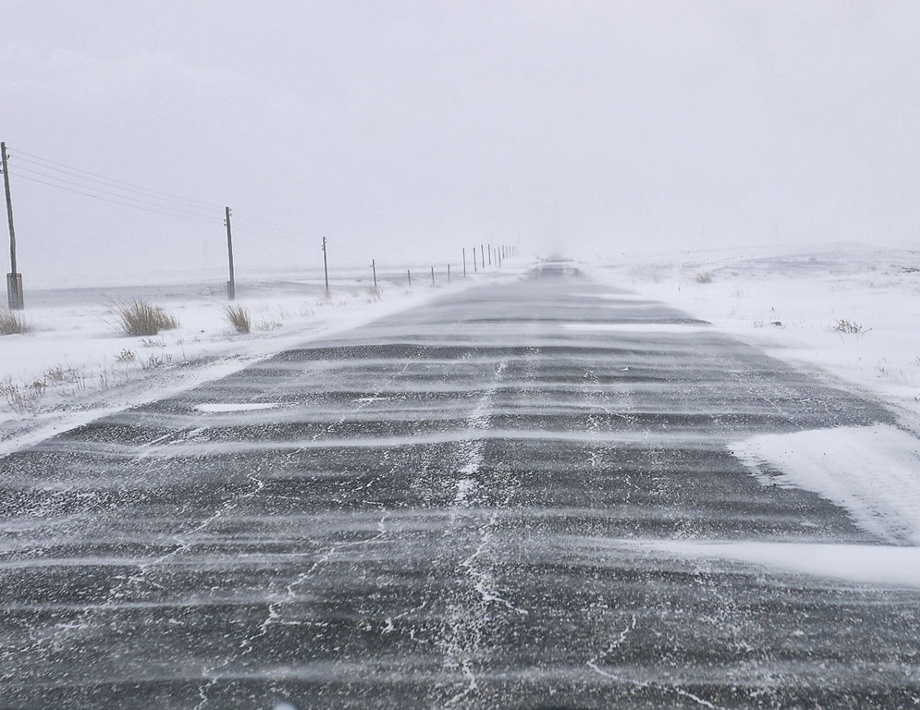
column 14, row 278
column 231, row 284
column 448, row 274
column 482, row 256
column 409, row 273
column 475, row 268
column 432, row 276
column 464, row 262
column 325, row 266
column 374, row 269
column 490, row 255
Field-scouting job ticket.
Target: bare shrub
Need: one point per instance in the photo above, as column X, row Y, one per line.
column 140, row 317
column 61, row 374
column 847, row 326
column 12, row 323
column 704, row 278
column 239, row 318
column 153, row 361
column 25, row 399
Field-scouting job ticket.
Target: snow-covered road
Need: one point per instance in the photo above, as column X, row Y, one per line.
column 545, row 493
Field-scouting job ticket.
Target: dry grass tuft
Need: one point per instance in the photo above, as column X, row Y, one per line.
column 239, row 318
column 12, row 323
column 848, row 326
column 140, row 317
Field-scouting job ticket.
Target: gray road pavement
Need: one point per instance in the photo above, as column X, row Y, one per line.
column 464, row 506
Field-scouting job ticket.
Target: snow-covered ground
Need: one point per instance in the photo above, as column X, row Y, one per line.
column 847, row 315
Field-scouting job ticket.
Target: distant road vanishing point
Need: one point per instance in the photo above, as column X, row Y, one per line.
column 521, row 495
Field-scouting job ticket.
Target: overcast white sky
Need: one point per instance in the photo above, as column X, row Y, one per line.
column 423, row 126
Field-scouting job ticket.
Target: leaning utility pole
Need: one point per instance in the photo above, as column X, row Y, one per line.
column 14, row 278
column 231, row 284
column 326, row 266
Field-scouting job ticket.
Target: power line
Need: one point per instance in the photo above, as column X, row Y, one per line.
column 62, row 167
column 120, row 192
column 22, row 172
column 115, row 202
column 123, row 192
column 280, row 238
column 275, row 226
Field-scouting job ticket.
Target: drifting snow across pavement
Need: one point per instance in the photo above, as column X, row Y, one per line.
column 845, row 315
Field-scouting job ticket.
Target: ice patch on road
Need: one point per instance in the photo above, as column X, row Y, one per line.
column 872, row 472
column 231, row 407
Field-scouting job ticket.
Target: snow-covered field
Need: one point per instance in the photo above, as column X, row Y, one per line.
column 846, row 315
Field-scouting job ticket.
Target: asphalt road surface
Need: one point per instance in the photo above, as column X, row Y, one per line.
column 468, row 505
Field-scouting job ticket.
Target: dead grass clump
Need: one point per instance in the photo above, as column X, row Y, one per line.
column 239, row 318
column 848, row 326
column 12, row 323
column 704, row 278
column 23, row 399
column 154, row 361
column 269, row 324
column 140, row 317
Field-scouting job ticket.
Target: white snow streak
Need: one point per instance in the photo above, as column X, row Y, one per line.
column 217, row 408
column 872, row 472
